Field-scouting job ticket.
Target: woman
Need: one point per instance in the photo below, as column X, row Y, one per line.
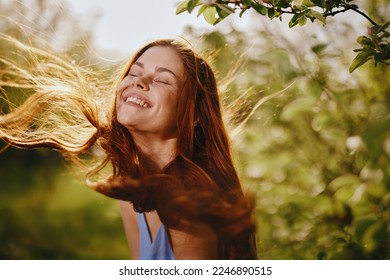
column 164, row 137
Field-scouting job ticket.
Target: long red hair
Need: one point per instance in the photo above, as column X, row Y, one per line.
column 201, row 184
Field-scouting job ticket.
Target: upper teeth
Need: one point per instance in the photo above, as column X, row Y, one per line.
column 138, row 101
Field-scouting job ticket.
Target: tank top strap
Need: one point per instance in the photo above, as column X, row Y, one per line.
column 157, row 249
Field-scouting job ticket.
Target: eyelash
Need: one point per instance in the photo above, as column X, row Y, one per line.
column 160, row 81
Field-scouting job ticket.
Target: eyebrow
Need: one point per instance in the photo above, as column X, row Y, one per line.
column 158, row 69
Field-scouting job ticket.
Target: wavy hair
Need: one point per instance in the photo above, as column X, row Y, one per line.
column 72, row 110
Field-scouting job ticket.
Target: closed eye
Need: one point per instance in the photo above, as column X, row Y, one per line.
column 160, row 81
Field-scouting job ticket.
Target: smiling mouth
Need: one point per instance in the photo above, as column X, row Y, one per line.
column 137, row 101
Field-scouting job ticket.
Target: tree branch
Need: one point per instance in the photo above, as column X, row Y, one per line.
column 364, row 15
column 348, row 7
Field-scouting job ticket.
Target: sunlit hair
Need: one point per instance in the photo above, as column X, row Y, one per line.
column 67, row 112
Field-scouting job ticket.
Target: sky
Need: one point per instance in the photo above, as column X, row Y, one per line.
column 120, row 27
column 126, row 25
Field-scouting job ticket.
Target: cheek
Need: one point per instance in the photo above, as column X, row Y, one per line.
column 117, row 102
column 120, row 89
column 123, row 85
column 172, row 103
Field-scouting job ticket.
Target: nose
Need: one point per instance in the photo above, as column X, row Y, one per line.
column 140, row 83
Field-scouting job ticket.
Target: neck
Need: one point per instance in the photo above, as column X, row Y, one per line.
column 157, row 152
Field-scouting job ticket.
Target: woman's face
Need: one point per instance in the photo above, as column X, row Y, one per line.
column 148, row 95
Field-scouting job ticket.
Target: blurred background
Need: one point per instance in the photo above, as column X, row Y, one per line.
column 311, row 140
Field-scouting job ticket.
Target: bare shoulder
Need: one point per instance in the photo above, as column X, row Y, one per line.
column 130, row 224
column 197, row 242
column 127, row 210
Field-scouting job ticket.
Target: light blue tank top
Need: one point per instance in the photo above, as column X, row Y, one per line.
column 157, row 249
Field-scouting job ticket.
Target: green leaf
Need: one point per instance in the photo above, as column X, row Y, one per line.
column 261, row 9
column 365, row 42
column 210, row 15
column 283, row 3
column 294, row 20
column 318, row 15
column 360, row 59
column 343, row 181
column 201, row 10
column 302, row 21
column 319, row 3
column 192, row 4
column 182, row 7
column 299, row 8
column 384, row 27
column 308, row 3
column 375, row 236
column 317, row 49
column 362, row 224
column 271, row 13
column 224, row 10
column 243, row 11
column 354, row 6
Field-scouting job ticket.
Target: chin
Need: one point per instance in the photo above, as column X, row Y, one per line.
column 123, row 120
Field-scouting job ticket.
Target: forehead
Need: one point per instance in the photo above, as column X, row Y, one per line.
column 161, row 56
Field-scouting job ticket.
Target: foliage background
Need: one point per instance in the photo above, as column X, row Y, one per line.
column 311, row 140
